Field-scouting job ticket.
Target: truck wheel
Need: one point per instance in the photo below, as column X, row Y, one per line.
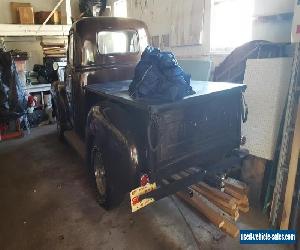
column 99, row 175
column 106, row 195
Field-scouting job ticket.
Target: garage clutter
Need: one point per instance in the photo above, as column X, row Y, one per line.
column 25, row 99
column 24, row 13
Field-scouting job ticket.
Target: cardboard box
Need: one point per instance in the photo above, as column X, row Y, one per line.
column 41, row 16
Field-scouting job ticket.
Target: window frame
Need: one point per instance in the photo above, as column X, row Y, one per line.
column 71, row 49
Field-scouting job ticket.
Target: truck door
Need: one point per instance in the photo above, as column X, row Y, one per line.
column 72, row 86
column 77, row 90
column 68, row 77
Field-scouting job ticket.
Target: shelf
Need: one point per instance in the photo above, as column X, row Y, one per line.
column 33, row 30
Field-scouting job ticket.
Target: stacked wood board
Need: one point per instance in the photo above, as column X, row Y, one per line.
column 220, row 208
column 57, row 50
column 15, row 12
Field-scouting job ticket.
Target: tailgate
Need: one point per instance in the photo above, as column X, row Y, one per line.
column 198, row 132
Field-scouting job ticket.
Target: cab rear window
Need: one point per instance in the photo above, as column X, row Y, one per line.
column 117, row 42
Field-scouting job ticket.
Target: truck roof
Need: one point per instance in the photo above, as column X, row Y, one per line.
column 90, row 25
column 119, row 91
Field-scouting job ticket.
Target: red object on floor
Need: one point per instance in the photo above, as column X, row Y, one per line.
column 6, row 135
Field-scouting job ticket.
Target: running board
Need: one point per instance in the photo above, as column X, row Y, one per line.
column 74, row 140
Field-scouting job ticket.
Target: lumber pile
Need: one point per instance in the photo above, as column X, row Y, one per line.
column 220, row 208
column 57, row 50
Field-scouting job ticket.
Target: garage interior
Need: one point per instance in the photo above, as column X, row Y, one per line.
column 48, row 200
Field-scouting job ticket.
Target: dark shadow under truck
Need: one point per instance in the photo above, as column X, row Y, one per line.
column 127, row 142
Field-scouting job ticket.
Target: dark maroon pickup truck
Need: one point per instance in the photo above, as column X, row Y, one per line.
column 139, row 144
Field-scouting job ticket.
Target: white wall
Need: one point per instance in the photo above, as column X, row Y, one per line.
column 276, row 30
column 185, row 22
column 189, row 37
column 271, row 7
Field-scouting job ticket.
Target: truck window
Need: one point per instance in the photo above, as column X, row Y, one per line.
column 88, row 53
column 118, row 42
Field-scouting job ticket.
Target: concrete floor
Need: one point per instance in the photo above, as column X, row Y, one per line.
column 47, row 203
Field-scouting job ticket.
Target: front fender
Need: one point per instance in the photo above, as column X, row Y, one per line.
column 61, row 105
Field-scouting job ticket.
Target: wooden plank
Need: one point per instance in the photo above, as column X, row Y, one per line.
column 229, row 209
column 26, row 15
column 230, row 228
column 14, row 10
column 240, row 198
column 33, row 30
column 52, row 48
column 220, row 199
column 236, row 185
column 244, row 208
column 289, row 191
column 55, row 52
column 52, row 12
column 217, row 193
column 49, row 44
column 229, row 225
column 217, row 200
column 57, row 56
column 203, row 207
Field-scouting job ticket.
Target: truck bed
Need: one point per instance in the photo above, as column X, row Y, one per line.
column 119, row 91
column 204, row 124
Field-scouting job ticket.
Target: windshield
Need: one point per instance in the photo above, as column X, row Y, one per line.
column 116, row 42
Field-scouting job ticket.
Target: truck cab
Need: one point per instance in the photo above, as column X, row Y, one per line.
column 140, row 144
column 100, row 50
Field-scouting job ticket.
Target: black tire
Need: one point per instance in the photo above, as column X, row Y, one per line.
column 106, row 195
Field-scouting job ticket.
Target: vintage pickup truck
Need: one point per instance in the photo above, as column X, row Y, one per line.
column 140, row 144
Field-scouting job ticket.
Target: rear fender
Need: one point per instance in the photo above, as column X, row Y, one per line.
column 117, row 149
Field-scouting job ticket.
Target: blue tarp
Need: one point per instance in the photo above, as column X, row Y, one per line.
column 158, row 76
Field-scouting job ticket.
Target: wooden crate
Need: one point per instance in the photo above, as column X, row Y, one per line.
column 26, row 15
column 41, row 16
column 14, row 10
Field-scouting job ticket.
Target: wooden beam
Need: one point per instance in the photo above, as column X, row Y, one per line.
column 240, row 198
column 66, row 13
column 226, row 207
column 236, row 185
column 52, row 12
column 289, row 191
column 203, row 207
column 224, row 201
column 217, row 200
column 230, row 228
column 217, row 193
column 244, row 208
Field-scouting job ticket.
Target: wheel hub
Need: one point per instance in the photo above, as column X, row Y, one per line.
column 99, row 173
